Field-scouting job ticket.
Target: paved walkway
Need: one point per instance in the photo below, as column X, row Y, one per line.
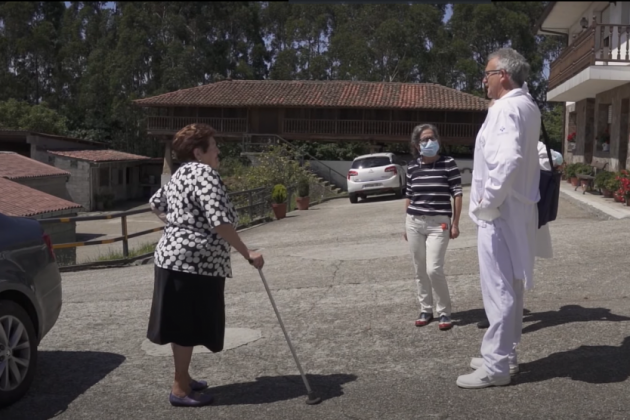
column 604, row 207
column 341, row 277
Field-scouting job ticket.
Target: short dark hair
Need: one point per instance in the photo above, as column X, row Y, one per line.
column 191, row 137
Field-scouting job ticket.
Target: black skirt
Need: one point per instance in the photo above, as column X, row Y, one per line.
column 188, row 310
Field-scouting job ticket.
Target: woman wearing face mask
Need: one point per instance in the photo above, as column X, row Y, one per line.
column 432, row 180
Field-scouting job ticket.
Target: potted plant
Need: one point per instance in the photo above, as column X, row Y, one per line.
column 601, row 182
column 611, row 186
column 603, row 141
column 584, row 169
column 624, row 188
column 303, row 198
column 571, row 173
column 279, row 201
column 571, row 140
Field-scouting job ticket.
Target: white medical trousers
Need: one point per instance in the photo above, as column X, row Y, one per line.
column 428, row 238
column 502, row 300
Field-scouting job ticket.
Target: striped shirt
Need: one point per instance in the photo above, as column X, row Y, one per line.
column 430, row 187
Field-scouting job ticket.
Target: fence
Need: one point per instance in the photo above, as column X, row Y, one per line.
column 253, row 206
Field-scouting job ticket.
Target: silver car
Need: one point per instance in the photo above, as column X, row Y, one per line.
column 30, row 301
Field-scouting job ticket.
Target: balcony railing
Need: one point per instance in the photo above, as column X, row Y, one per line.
column 222, row 125
column 375, row 128
column 600, row 44
column 322, row 127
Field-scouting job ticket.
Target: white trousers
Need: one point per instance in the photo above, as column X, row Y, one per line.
column 502, row 300
column 428, row 238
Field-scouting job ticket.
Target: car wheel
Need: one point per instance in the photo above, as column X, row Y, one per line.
column 18, row 352
column 353, row 198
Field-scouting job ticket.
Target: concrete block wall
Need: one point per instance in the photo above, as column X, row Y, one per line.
column 53, row 185
column 78, row 185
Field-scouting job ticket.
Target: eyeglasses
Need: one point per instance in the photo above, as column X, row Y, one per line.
column 488, row 73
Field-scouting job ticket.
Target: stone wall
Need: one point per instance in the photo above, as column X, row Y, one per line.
column 53, row 185
column 78, row 184
column 618, row 133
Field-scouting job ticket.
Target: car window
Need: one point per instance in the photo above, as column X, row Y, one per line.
column 371, row 162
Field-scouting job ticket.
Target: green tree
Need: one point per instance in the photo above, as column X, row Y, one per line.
column 19, row 115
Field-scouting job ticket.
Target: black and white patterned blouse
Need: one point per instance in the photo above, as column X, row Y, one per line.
column 195, row 201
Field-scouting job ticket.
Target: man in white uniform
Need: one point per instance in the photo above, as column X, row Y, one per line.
column 504, row 193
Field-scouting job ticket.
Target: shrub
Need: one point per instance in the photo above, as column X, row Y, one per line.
column 602, row 178
column 570, row 170
column 279, row 194
column 613, row 183
column 303, row 187
column 583, row 169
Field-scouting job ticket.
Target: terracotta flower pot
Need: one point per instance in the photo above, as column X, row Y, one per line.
column 607, row 193
column 627, row 201
column 279, row 210
column 574, row 181
column 617, row 198
column 303, row 202
column 584, row 183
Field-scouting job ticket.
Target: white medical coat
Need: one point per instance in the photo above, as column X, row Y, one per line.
column 506, row 177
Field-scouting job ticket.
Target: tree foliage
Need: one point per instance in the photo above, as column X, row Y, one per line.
column 88, row 60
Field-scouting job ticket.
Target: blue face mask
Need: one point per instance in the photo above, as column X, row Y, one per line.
column 430, row 148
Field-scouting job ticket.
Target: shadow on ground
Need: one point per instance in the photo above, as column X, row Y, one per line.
column 270, row 389
column 378, row 198
column 61, row 377
column 592, row 364
column 565, row 315
column 569, row 314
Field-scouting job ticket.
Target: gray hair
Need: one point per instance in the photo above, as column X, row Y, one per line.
column 514, row 64
column 417, row 132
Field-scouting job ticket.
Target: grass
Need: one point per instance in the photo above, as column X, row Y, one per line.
column 113, row 255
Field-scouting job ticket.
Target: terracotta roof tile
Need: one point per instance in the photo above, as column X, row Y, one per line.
column 338, row 94
column 15, row 166
column 98, row 155
column 20, row 200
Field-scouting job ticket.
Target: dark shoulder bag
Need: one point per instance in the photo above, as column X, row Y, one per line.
column 549, row 187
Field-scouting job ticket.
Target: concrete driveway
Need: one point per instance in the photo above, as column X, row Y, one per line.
column 342, row 279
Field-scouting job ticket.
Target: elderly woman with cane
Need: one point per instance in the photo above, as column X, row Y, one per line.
column 432, row 180
column 192, row 260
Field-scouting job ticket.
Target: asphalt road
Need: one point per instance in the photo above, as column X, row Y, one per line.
column 342, row 278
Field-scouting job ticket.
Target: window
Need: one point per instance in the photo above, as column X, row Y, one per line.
column 74, row 164
column 103, row 177
column 51, row 160
column 371, row 162
column 121, row 177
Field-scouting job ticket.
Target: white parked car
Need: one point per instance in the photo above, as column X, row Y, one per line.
column 375, row 174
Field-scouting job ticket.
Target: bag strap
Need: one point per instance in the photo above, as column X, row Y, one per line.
column 544, row 132
column 546, row 142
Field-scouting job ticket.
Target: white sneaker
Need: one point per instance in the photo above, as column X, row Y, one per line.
column 477, row 362
column 481, row 379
